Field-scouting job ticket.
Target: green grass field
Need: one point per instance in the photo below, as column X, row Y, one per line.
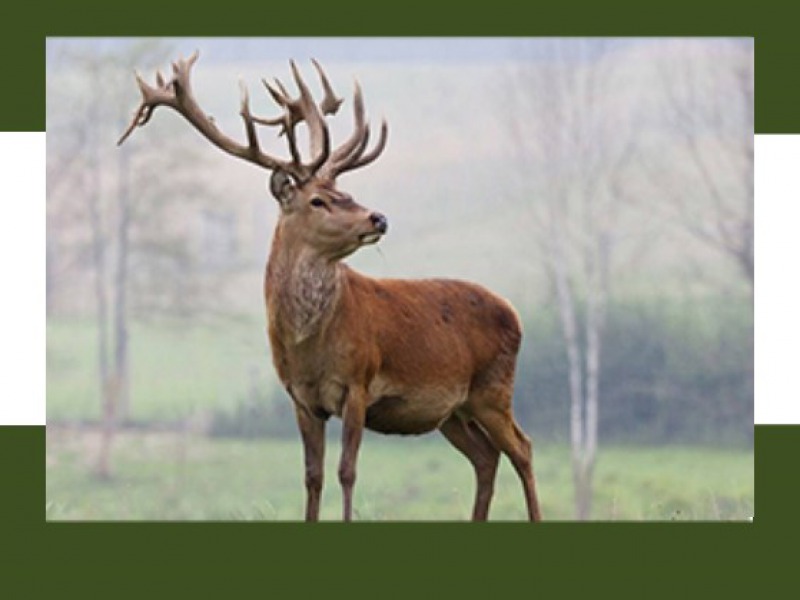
column 181, row 375
column 182, row 476
column 176, row 371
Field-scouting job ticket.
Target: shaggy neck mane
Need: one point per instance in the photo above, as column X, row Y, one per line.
column 302, row 290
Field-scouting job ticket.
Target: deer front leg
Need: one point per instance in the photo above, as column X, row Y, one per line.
column 353, row 415
column 312, row 430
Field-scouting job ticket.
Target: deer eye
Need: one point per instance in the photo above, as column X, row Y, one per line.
column 318, row 203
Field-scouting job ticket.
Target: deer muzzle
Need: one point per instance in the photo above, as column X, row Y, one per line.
column 379, row 222
column 379, row 225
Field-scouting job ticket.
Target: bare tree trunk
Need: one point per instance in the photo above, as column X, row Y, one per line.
column 121, row 355
column 584, row 374
column 596, row 294
column 579, row 432
column 107, row 395
column 582, row 479
column 115, row 381
column 579, row 152
column 108, row 428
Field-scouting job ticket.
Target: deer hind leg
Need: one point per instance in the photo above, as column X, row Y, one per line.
column 470, row 439
column 504, row 432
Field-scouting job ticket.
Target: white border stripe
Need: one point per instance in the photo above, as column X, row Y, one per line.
column 22, row 264
column 22, row 276
column 777, row 310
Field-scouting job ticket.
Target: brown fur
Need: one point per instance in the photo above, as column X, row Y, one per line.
column 395, row 356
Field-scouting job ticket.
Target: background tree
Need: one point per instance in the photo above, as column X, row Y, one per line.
column 109, row 215
column 601, row 129
column 577, row 152
column 708, row 101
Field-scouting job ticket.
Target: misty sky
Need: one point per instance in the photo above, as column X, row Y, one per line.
column 408, row 49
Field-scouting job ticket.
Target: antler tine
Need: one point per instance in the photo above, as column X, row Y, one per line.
column 151, row 97
column 356, row 152
column 280, row 100
column 357, row 162
column 292, row 114
column 330, row 103
column 356, row 139
column 319, row 137
column 244, row 112
column 348, row 156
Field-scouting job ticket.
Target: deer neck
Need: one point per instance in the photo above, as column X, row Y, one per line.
column 302, row 290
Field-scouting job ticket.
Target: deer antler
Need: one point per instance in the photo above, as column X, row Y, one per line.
column 350, row 155
column 305, row 109
column 176, row 93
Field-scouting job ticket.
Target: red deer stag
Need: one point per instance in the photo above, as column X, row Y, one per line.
column 394, row 356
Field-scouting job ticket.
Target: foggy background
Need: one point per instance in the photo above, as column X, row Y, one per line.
column 603, row 186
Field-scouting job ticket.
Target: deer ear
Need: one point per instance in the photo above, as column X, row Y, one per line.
column 282, row 187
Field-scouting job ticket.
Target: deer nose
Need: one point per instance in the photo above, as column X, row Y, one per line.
column 379, row 222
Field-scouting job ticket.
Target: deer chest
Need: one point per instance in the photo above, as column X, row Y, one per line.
column 321, row 398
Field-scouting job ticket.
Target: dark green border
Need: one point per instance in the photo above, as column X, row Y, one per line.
column 394, row 560
column 771, row 22
column 378, row 558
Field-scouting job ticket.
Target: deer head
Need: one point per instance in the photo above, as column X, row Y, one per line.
column 313, row 211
